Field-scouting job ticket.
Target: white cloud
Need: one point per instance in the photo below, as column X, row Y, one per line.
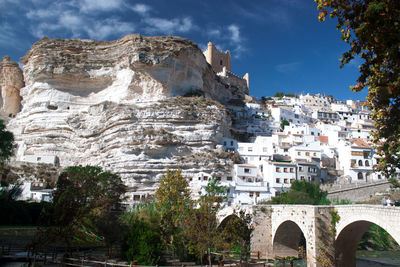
column 65, row 20
column 109, row 27
column 287, row 67
column 142, row 9
column 87, row 6
column 234, row 33
column 165, row 26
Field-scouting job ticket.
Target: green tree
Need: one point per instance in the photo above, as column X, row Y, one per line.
column 142, row 240
column 236, row 233
column 302, row 192
column 202, row 224
column 284, row 123
column 142, row 243
column 376, row 238
column 6, row 143
column 173, row 201
column 83, row 194
column 372, row 29
column 279, row 94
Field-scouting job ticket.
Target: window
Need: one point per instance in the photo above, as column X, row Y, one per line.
column 286, row 181
column 278, row 180
column 360, row 163
column 220, row 62
column 379, row 176
column 231, row 143
column 302, row 178
column 246, row 170
column 314, row 154
column 300, row 168
column 224, row 143
column 298, row 153
column 353, row 163
column 292, row 170
column 229, row 178
column 205, row 178
column 291, row 181
column 367, row 163
column 285, row 170
column 360, row 176
column 285, row 150
column 278, row 169
column 250, row 149
column 136, row 197
column 251, row 194
column 257, row 194
column 307, row 153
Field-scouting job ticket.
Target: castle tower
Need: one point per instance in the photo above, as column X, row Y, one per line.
column 217, row 59
column 11, row 81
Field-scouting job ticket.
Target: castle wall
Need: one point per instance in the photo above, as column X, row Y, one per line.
column 217, row 59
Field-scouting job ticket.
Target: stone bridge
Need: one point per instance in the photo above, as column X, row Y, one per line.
column 279, row 231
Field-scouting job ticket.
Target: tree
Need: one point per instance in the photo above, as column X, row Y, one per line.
column 302, row 192
column 202, row 224
column 236, row 232
column 83, row 194
column 142, row 243
column 6, row 143
column 372, row 29
column 284, row 123
column 173, row 200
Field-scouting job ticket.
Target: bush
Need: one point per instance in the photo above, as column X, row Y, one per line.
column 142, row 243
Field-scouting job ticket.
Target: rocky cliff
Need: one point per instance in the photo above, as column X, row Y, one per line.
column 121, row 105
column 11, row 81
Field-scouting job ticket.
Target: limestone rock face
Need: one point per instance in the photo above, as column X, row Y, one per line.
column 120, row 105
column 11, row 81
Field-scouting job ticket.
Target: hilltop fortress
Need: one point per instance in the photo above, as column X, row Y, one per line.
column 139, row 105
column 135, row 106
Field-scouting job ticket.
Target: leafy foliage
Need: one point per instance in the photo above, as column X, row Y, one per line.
column 376, row 238
column 201, row 224
column 236, row 232
column 83, row 195
column 372, row 29
column 17, row 212
column 142, row 243
column 6, row 143
column 173, row 201
column 302, row 192
column 284, row 123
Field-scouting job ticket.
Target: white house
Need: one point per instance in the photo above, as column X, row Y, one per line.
column 355, row 159
column 279, row 175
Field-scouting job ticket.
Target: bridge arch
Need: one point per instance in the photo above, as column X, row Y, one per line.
column 287, row 239
column 352, row 226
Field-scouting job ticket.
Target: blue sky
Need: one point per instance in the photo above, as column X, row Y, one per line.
column 279, row 42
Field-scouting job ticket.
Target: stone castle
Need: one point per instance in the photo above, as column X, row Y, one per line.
column 124, row 105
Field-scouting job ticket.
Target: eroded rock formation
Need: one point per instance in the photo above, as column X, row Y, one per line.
column 120, row 105
column 11, row 81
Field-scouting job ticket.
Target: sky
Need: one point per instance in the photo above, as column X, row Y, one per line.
column 280, row 43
